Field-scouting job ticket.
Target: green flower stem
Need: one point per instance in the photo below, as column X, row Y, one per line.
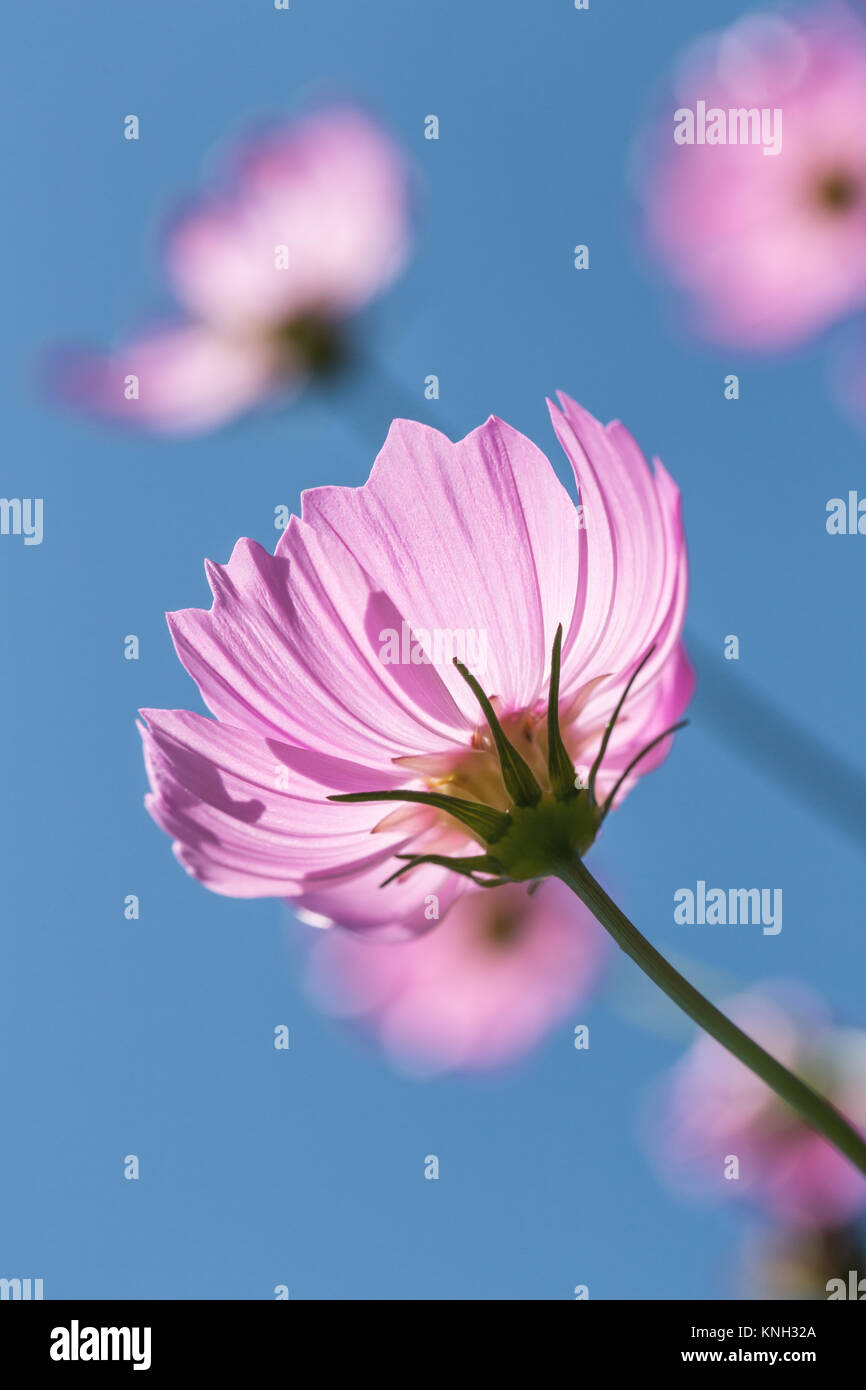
column 814, row 1109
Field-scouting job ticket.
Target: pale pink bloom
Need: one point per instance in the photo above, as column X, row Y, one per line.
column 771, row 247
column 477, row 992
column 475, row 542
column 312, row 225
column 712, row 1107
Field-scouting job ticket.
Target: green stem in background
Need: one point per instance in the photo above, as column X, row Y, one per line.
column 814, row 1109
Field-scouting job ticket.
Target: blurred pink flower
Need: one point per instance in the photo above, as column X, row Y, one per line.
column 482, row 989
column 770, row 246
column 712, row 1107
column 314, row 223
column 328, row 664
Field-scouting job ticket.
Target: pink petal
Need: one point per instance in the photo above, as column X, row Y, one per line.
column 634, row 576
column 644, row 718
column 332, row 189
column 632, row 594
column 476, row 535
column 250, row 818
column 809, row 1183
column 187, row 379
column 406, row 908
column 291, row 648
column 250, row 815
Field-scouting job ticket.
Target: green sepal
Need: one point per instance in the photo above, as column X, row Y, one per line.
column 467, row 865
column 593, row 773
column 560, row 768
column 674, row 728
column 484, row 822
column 519, row 779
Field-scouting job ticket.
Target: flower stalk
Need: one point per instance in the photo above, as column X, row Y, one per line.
column 818, row 1113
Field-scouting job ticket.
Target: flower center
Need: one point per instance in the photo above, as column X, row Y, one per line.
column 502, row 929
column 515, row 789
column 477, row 772
column 839, row 191
column 314, row 339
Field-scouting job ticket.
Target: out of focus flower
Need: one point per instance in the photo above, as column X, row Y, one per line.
column 717, row 1128
column 328, row 667
column 755, row 180
column 481, row 989
column 803, row 1262
column 312, row 225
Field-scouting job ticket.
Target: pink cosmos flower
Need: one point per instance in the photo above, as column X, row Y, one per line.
column 313, row 224
column 503, row 967
column 768, row 237
column 713, row 1107
column 327, row 665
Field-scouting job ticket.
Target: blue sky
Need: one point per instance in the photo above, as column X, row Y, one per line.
column 154, row 1037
